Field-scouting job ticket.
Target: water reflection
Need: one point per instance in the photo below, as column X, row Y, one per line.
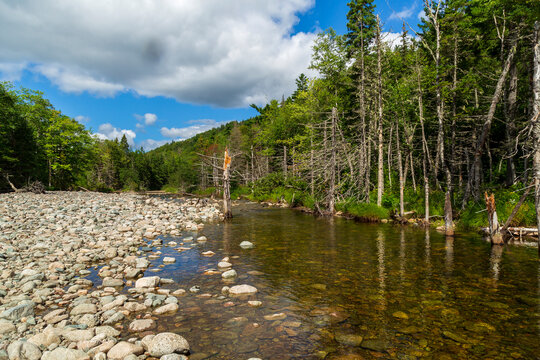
column 495, row 260
column 407, row 292
column 449, row 246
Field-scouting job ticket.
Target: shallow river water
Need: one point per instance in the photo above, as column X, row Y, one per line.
column 347, row 290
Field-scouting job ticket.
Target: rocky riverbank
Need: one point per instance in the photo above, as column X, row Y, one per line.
column 49, row 242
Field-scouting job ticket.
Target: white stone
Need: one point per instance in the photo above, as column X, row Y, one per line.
column 229, row 274
column 242, row 290
column 246, row 245
column 147, row 282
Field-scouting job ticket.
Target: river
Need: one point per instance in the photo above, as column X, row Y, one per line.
column 338, row 289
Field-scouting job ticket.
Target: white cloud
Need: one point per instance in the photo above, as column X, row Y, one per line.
column 82, row 119
column 405, row 13
column 189, row 131
column 150, row 119
column 223, row 53
column 11, row 71
column 422, row 15
column 107, row 131
column 77, row 81
column 151, row 144
column 394, row 39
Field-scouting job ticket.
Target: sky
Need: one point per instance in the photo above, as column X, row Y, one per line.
column 164, row 70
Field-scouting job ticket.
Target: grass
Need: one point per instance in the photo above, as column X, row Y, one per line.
column 363, row 211
column 275, row 188
column 170, row 189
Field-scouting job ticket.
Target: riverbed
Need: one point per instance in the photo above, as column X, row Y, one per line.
column 326, row 288
column 337, row 289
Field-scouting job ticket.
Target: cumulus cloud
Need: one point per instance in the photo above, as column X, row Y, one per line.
column 151, row 144
column 394, row 39
column 222, row 53
column 76, row 81
column 198, row 126
column 107, row 131
column 150, row 119
column 82, row 119
column 405, row 13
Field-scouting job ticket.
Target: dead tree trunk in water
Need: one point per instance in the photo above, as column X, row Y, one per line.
column 536, row 125
column 227, row 212
column 494, row 228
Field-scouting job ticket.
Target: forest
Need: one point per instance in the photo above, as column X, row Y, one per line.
column 422, row 125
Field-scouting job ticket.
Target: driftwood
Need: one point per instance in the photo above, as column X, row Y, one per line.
column 35, row 187
column 514, row 233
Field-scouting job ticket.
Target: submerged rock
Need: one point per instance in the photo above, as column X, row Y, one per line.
column 349, row 339
column 246, row 245
column 142, row 325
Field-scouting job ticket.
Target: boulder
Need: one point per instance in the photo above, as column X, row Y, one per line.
column 17, row 312
column 82, row 309
column 62, row 353
column 23, row 350
column 167, row 343
column 124, row 349
column 242, row 290
column 147, row 282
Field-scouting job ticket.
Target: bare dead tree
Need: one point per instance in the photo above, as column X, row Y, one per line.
column 535, row 123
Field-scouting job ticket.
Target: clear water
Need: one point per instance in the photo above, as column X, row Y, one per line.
column 353, row 291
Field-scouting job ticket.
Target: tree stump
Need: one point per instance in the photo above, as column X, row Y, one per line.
column 494, row 227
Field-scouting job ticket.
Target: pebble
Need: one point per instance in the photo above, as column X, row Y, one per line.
column 51, row 242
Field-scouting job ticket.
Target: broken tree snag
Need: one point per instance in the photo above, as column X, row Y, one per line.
column 448, row 216
column 227, row 212
column 494, row 228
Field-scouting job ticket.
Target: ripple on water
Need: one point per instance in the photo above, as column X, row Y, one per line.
column 336, row 289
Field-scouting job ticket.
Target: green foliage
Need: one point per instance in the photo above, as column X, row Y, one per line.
column 363, row 211
column 170, row 189
column 474, row 215
column 360, row 25
column 240, row 192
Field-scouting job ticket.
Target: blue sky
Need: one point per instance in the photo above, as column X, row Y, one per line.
column 166, row 70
